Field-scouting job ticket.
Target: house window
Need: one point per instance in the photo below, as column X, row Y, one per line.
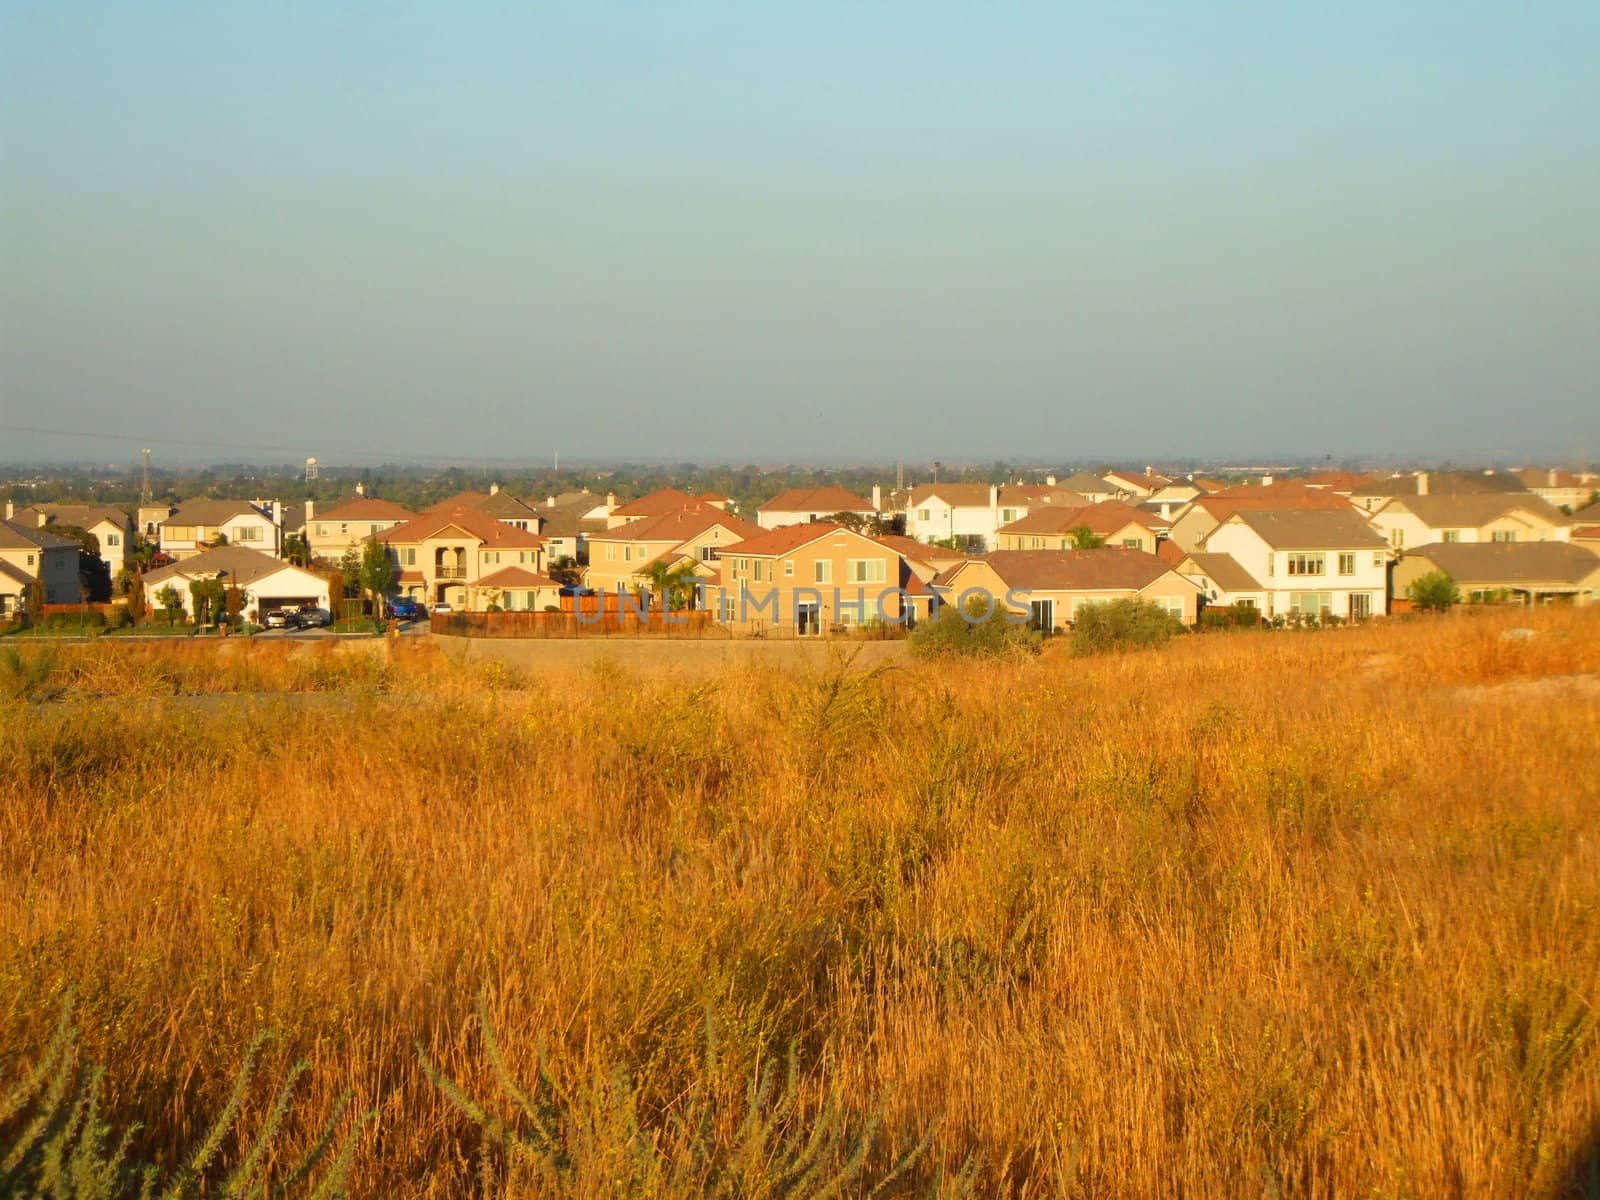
column 113, row 539
column 50, row 595
column 922, row 514
column 1397, row 538
column 1360, row 606
column 710, row 553
column 788, row 568
column 1171, row 605
column 823, row 571
column 529, row 600
column 322, row 531
column 864, row 570
column 1007, row 515
column 1347, row 564
column 1503, row 535
column 1041, row 615
column 1132, row 544
column 344, row 528
column 1452, row 535
column 1377, row 558
column 408, row 557
column 1307, row 564
column 247, row 533
column 611, row 553
column 730, row 610
column 1310, row 604
column 30, row 560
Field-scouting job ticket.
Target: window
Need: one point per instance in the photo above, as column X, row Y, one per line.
column 30, row 560
column 1377, row 558
column 344, row 528
column 322, row 531
column 730, row 610
column 1171, row 605
column 1504, row 535
column 788, row 568
column 1310, row 604
column 1133, row 543
column 922, row 514
column 408, row 557
column 1307, row 564
column 529, row 600
column 1008, row 515
column 248, row 533
column 1347, row 564
column 1397, row 538
column 1042, row 615
column 864, row 570
column 113, row 539
column 611, row 553
column 710, row 553
column 824, row 571
column 1272, row 564
column 1452, row 535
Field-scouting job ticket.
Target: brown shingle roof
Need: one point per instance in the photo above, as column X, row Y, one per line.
column 16, row 536
column 1440, row 483
column 243, row 565
column 1468, row 510
column 1312, row 529
column 81, row 516
column 1104, row 518
column 211, row 512
column 679, row 525
column 1111, row 569
column 830, row 499
column 366, row 508
column 1224, row 568
column 1510, row 562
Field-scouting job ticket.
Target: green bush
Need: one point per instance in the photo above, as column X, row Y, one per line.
column 89, row 618
column 1235, row 616
column 981, row 630
column 1121, row 625
column 1434, row 592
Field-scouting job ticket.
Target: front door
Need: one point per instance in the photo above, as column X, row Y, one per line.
column 1042, row 615
column 808, row 620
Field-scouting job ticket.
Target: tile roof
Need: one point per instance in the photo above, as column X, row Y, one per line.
column 830, row 499
column 1510, row 562
column 1472, row 509
column 366, row 508
column 679, row 525
column 471, row 521
column 768, row 542
column 211, row 512
column 14, row 535
column 653, row 505
column 1225, row 569
column 516, row 577
column 1312, row 529
column 1110, row 569
column 1103, row 519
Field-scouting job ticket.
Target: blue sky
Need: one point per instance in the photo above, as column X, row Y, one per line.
column 811, row 231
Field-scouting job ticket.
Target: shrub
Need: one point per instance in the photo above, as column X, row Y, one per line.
column 1121, row 625
column 1434, row 592
column 1236, row 616
column 980, row 630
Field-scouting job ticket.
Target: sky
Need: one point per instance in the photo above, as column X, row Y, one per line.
column 809, row 231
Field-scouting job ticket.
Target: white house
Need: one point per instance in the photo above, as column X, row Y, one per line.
column 1222, row 581
column 805, row 506
column 268, row 582
column 195, row 525
column 112, row 527
column 1313, row 562
column 971, row 514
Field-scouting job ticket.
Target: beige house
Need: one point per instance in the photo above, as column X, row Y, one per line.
column 1222, row 581
column 197, row 525
column 267, row 582
column 514, row 589
column 655, row 504
column 112, row 527
column 623, row 555
column 1377, row 490
column 31, row 556
column 814, row 579
column 1192, row 525
column 1515, row 572
column 804, row 506
column 344, row 526
column 1560, row 488
column 443, row 556
column 1470, row 517
column 1051, row 527
column 1051, row 587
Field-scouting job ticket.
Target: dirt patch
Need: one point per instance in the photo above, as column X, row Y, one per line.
column 1549, row 689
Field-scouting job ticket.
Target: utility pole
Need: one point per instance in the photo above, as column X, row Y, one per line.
column 144, row 487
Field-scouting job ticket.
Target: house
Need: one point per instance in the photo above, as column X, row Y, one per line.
column 567, row 521
column 514, row 589
column 1145, row 485
column 345, row 525
column 1587, row 536
column 1519, row 572
column 1559, row 488
column 622, row 557
column 1051, row 527
column 969, row 515
column 1312, row 562
column 924, row 559
column 1376, row 490
column 1222, row 581
column 149, row 518
column 1052, row 586
column 1470, row 517
column 807, row 505
column 196, row 525
column 31, row 556
column 806, row 580
column 112, row 527
column 442, row 556
column 654, row 504
column 1192, row 524
column 268, row 582
column 496, row 503
column 1095, row 488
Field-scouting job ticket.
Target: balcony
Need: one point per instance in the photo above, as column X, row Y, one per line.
column 449, row 572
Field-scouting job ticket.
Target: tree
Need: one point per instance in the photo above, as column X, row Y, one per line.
column 296, row 550
column 220, row 539
column 982, row 630
column 350, row 573
column 207, row 595
column 1434, row 592
column 170, row 600
column 1121, row 625
column 36, row 600
column 675, row 584
column 133, row 592
column 377, row 572
column 1084, row 538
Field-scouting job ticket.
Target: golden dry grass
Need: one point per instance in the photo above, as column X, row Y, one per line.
column 1289, row 914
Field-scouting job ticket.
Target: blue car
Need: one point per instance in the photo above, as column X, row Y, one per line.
column 403, row 608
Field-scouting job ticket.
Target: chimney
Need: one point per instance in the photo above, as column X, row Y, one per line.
column 361, row 489
column 549, row 501
column 494, row 489
column 1266, row 481
column 877, row 498
column 311, row 511
column 994, row 498
column 1552, row 482
column 1422, row 483
column 1049, row 481
column 44, row 519
column 611, row 501
column 11, row 510
column 1149, row 470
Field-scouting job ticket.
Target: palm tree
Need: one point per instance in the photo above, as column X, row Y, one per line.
column 675, row 584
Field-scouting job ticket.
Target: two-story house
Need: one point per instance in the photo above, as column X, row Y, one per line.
column 623, row 556
column 31, row 556
column 806, row 580
column 1053, row 527
column 112, row 527
column 1189, row 527
column 450, row 557
column 1311, row 562
column 197, row 525
column 805, row 505
column 341, row 527
column 1409, row 521
column 969, row 515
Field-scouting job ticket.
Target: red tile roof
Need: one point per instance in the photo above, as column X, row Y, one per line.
column 653, row 505
column 366, row 508
column 817, row 500
column 679, row 525
column 516, row 577
column 478, row 525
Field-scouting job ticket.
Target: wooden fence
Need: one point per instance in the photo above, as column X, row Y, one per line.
column 574, row 625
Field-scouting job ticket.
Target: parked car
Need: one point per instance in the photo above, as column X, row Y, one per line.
column 279, row 618
column 310, row 617
column 404, row 608
column 443, row 609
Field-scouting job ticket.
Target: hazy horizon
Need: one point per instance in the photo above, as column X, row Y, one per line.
column 721, row 235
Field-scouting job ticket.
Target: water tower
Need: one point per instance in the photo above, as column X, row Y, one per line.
column 311, row 469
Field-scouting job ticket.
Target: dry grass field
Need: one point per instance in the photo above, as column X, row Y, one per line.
column 1282, row 915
